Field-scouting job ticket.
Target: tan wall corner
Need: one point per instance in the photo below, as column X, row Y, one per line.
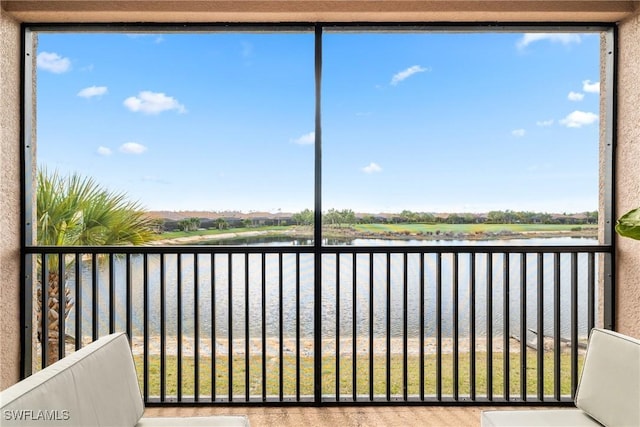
column 9, row 201
column 628, row 174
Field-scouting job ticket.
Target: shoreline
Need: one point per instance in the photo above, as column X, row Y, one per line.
column 328, row 346
column 350, row 234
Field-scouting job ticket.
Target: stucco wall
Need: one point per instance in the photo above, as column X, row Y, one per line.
column 9, row 201
column 628, row 174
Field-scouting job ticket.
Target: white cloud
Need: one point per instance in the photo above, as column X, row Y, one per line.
column 563, row 38
column 578, row 119
column 89, row 92
column 372, row 168
column 148, row 102
column 104, row 151
column 544, row 123
column 591, row 87
column 53, row 62
column 132, row 148
column 306, row 139
column 156, row 38
column 575, row 96
column 518, row 132
column 405, row 74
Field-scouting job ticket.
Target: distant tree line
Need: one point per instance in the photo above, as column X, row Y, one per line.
column 347, row 217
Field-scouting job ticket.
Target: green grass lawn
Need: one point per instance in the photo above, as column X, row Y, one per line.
column 362, row 373
column 470, row 228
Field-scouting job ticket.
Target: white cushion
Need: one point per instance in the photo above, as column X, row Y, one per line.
column 609, row 389
column 94, row 386
column 542, row 417
column 608, row 392
column 214, row 421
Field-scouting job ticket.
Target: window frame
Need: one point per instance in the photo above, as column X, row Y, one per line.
column 607, row 101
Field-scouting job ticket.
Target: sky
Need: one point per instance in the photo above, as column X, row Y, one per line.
column 428, row 122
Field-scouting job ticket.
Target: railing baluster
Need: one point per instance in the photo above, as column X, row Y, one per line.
column 230, row 325
column 62, row 305
column 247, row 355
column 78, row 301
column 454, row 297
column 506, row 323
column 44, row 312
column 337, row 338
column 112, row 295
column 28, row 308
column 179, row 326
column 574, row 324
column 371, row 356
column 95, row 296
column 439, row 327
column 281, row 327
column 591, row 310
column 405, row 322
column 298, row 327
column 354, row 331
column 128, row 290
column 540, row 333
column 421, row 360
column 388, row 328
column 523, row 327
column 213, row 327
column 196, row 328
column 472, row 327
column 557, row 284
column 489, row 319
column 264, row 328
column 163, row 331
column 145, row 326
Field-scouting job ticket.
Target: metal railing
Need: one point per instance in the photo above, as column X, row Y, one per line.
column 399, row 324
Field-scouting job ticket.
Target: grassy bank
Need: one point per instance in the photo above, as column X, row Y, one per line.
column 396, row 231
column 362, row 371
column 474, row 228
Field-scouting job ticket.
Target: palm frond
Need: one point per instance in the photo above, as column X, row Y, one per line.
column 77, row 211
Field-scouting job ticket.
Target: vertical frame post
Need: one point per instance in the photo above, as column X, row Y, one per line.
column 317, row 226
column 27, row 227
column 607, row 172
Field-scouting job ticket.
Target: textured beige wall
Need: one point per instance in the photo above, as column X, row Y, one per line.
column 9, row 201
column 628, row 173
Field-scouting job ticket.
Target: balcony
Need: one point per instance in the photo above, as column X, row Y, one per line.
column 425, row 331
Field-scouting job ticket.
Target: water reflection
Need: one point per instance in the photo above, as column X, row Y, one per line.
column 268, row 284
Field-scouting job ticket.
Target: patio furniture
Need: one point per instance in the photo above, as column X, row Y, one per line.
column 94, row 386
column 608, row 392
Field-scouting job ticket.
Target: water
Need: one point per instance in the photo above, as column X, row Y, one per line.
column 336, row 299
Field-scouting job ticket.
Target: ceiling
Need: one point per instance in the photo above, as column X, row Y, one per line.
column 61, row 11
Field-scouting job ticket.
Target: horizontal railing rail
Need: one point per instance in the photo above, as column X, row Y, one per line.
column 399, row 324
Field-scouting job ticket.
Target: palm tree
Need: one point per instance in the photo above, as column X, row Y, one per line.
column 76, row 211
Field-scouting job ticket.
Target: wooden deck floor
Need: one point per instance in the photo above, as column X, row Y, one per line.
column 337, row 416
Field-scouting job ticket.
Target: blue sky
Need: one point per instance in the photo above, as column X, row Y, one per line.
column 440, row 122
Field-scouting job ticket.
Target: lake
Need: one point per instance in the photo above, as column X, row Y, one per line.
column 331, row 304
